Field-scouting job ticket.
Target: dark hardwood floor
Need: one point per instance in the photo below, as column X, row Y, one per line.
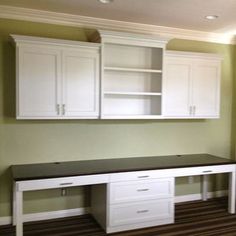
column 199, row 218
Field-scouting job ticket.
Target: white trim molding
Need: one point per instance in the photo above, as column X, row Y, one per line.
column 26, row 14
column 47, row 215
column 7, row 220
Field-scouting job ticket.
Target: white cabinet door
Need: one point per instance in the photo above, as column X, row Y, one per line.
column 177, row 87
column 80, row 83
column 191, row 85
column 38, row 86
column 56, row 79
column 206, row 88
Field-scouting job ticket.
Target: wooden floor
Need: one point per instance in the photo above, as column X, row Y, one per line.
column 195, row 218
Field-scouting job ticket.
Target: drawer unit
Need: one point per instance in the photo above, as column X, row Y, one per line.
column 130, row 213
column 132, row 204
column 139, row 203
column 141, row 190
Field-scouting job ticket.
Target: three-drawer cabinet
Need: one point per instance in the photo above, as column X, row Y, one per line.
column 131, row 204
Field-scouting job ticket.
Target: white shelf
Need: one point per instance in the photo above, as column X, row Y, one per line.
column 148, row 117
column 131, row 79
column 132, row 93
column 132, row 69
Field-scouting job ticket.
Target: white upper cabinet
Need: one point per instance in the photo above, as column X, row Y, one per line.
column 80, row 83
column 206, row 88
column 38, row 82
column 57, row 79
column 136, row 79
column 177, row 87
column 191, row 85
column 131, row 75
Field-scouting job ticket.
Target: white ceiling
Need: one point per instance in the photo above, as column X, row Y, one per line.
column 185, row 14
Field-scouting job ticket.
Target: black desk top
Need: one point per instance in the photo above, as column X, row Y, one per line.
column 102, row 166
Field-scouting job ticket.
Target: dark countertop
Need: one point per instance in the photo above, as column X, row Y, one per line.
column 102, row 166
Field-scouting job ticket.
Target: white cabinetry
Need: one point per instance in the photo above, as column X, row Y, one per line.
column 38, row 81
column 131, row 75
column 80, row 83
column 56, row 79
column 129, row 204
column 191, row 85
column 136, row 79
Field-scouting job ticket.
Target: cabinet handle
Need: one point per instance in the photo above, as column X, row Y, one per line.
column 190, row 110
column 63, row 184
column 143, row 190
column 142, row 211
column 63, row 109
column 58, row 109
column 207, row 171
column 143, row 176
column 194, row 110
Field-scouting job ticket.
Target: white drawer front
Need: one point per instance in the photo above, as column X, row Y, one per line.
column 129, row 213
column 175, row 172
column 134, row 175
column 40, row 184
column 203, row 170
column 141, row 190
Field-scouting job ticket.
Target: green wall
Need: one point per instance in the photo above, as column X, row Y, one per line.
column 47, row 141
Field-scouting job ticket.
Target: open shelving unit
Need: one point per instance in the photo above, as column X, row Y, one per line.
column 131, row 75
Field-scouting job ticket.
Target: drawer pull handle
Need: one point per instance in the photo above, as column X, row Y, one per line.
column 143, row 190
column 207, row 171
column 143, row 176
column 63, row 184
column 142, row 211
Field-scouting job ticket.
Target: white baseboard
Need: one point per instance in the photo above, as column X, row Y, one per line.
column 55, row 214
column 81, row 211
column 47, row 215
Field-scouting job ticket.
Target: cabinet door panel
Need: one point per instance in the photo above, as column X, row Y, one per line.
column 206, row 86
column 80, row 83
column 176, row 88
column 38, row 88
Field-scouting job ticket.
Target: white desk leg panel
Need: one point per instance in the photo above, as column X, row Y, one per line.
column 14, row 205
column 204, row 187
column 231, row 194
column 19, row 213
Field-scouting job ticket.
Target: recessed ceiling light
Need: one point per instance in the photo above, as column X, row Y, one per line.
column 106, row 1
column 211, row 17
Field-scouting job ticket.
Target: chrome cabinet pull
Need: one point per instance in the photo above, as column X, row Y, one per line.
column 207, row 171
column 58, row 109
column 63, row 109
column 143, row 190
column 142, row 211
column 190, row 110
column 63, row 184
column 143, row 176
column 194, row 110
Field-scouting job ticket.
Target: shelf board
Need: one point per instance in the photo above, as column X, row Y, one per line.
column 135, row 116
column 132, row 69
column 132, row 93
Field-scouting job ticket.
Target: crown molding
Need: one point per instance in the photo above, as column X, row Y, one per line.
column 17, row 13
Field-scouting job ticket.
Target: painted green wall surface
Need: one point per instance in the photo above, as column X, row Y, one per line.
column 48, row 141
